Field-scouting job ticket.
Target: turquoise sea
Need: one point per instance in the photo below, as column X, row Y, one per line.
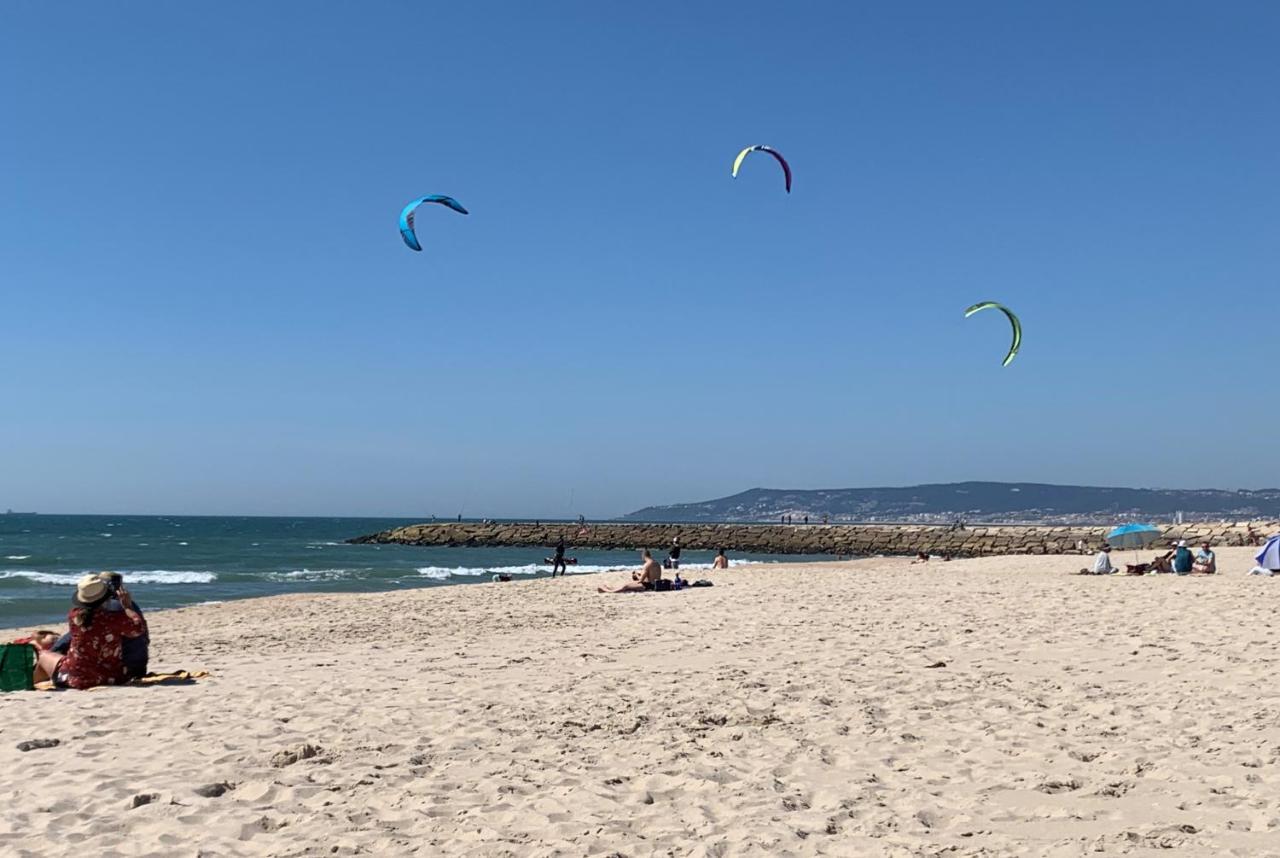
column 170, row 561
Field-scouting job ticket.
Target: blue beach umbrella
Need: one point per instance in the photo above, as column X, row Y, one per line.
column 1134, row 536
column 1269, row 556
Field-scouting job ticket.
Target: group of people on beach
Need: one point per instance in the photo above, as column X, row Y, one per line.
column 650, row 575
column 1178, row 560
column 106, row 642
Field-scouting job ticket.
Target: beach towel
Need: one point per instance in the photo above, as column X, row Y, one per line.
column 176, row 677
column 17, row 667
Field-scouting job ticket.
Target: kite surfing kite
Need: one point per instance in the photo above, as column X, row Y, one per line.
column 406, row 216
column 1013, row 320
column 786, row 168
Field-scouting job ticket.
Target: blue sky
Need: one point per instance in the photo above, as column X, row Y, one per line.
column 207, row 307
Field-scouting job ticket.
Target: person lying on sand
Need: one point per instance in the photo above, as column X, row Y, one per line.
column 646, row 579
column 1163, row 563
column 41, row 639
column 1160, row 563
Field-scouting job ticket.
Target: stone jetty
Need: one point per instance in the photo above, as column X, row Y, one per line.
column 834, row 539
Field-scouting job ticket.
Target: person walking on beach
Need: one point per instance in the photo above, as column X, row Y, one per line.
column 557, row 562
column 673, row 556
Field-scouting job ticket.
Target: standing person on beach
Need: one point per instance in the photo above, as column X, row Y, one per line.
column 557, row 562
column 673, row 556
column 721, row 562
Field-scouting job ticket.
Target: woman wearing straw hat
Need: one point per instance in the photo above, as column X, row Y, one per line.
column 97, row 636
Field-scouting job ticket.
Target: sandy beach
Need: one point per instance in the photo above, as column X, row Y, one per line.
column 998, row 706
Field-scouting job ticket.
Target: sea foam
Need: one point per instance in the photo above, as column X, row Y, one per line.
column 149, row 576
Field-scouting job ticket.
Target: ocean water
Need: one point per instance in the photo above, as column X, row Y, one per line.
column 169, row 561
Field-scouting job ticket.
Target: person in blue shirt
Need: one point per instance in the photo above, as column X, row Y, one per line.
column 1183, row 559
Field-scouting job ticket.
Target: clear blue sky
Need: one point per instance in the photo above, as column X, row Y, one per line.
column 207, row 307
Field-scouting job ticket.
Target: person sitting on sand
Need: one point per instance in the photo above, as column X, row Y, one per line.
column 921, row 557
column 1101, row 563
column 96, row 656
column 1183, row 560
column 721, row 562
column 1206, row 563
column 137, row 650
column 646, row 579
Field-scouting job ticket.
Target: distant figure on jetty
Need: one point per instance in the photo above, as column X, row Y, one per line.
column 806, row 519
column 557, row 562
column 721, row 562
column 646, row 579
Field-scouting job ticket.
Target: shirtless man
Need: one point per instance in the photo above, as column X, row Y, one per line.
column 721, row 562
column 643, row 580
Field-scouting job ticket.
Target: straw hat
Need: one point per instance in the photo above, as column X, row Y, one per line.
column 90, row 590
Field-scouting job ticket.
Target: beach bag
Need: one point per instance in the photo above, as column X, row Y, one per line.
column 702, row 582
column 17, row 667
column 662, row 585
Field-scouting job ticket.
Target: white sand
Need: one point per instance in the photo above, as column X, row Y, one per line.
column 786, row 711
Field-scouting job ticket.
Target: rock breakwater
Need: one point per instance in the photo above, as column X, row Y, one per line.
column 835, row 539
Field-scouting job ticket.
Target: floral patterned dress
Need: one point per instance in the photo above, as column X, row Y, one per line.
column 96, row 653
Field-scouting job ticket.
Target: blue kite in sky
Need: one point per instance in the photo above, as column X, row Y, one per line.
column 406, row 216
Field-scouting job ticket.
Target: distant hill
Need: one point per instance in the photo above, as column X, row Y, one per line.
column 1032, row 503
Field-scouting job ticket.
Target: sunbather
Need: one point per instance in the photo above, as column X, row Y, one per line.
column 41, row 639
column 646, row 579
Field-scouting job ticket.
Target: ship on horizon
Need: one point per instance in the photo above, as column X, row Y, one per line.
column 11, row 512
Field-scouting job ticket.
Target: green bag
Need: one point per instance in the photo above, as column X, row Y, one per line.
column 17, row 667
